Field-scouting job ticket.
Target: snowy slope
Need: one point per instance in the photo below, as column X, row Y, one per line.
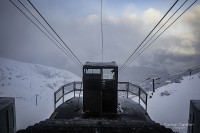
column 24, row 81
column 170, row 104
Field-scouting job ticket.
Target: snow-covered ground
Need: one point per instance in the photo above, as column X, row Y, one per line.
column 24, row 82
column 169, row 105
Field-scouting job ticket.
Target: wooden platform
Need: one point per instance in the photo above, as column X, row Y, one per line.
column 130, row 111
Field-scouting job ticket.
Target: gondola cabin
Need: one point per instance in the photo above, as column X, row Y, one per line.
column 100, row 81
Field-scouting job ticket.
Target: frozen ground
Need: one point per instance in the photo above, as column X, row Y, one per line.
column 26, row 81
column 170, row 104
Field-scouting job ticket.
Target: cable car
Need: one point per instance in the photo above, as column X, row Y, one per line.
column 100, row 81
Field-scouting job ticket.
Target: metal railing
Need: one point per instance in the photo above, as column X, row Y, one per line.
column 132, row 89
column 125, row 89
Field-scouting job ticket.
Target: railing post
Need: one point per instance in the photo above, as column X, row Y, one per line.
column 139, row 94
column 54, row 101
column 127, row 89
column 153, row 85
column 63, row 94
column 74, row 88
column 146, row 104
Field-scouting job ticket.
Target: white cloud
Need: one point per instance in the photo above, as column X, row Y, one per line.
column 184, row 32
column 151, row 16
column 192, row 15
column 92, row 18
column 130, row 8
column 182, row 50
column 113, row 19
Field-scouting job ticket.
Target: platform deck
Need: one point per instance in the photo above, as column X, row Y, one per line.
column 67, row 119
column 131, row 111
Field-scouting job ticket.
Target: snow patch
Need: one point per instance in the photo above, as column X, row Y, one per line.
column 24, row 82
column 172, row 109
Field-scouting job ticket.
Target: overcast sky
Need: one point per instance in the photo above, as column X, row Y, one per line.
column 125, row 24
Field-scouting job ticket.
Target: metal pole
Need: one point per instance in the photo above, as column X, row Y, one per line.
column 63, row 94
column 54, row 101
column 74, row 88
column 127, row 88
column 36, row 98
column 139, row 94
column 153, row 85
column 146, row 104
column 190, row 72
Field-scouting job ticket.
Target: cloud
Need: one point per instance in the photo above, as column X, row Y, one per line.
column 129, row 9
column 179, row 46
column 123, row 32
column 151, row 16
column 92, row 18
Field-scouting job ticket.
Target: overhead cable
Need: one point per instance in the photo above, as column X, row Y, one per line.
column 55, row 32
column 38, row 27
column 68, row 54
column 136, row 55
column 101, row 31
column 168, row 26
column 148, row 35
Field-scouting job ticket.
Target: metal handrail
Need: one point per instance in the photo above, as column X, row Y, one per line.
column 72, row 88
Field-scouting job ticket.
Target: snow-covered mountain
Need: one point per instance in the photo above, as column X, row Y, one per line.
column 170, row 104
column 25, row 81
